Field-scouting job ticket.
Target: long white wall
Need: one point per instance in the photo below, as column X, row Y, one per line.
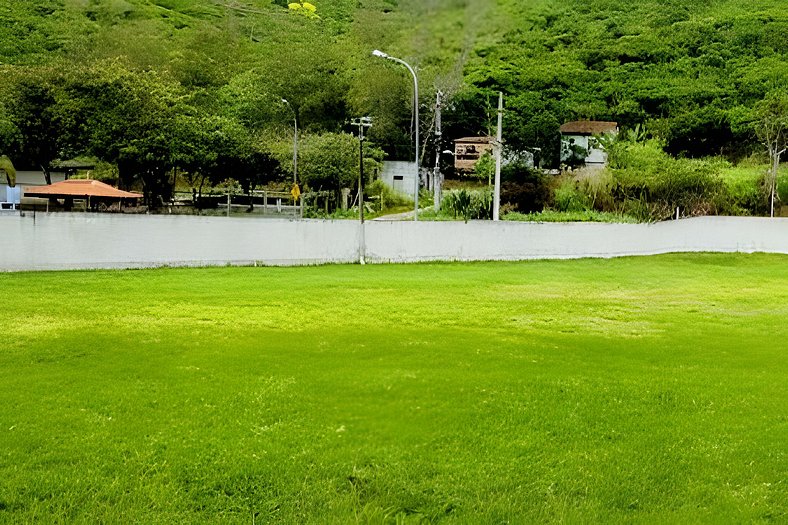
column 78, row 240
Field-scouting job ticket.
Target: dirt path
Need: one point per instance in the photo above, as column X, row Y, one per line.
column 395, row 217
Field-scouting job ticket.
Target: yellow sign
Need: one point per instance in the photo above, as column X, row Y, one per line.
column 295, row 192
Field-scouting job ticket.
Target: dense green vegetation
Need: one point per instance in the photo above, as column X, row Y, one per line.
column 683, row 68
column 161, row 87
column 645, row 390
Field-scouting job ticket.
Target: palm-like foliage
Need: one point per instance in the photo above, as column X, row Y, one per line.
column 8, row 167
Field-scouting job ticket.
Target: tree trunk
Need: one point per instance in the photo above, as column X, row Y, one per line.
column 47, row 174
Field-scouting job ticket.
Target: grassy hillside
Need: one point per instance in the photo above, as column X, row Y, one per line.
column 680, row 67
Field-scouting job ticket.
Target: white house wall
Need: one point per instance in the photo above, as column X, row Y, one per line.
column 595, row 156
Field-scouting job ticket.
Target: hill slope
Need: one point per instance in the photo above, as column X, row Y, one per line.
column 683, row 68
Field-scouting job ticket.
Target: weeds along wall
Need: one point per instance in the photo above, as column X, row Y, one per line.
column 70, row 241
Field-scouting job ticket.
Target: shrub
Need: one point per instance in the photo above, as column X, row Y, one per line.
column 597, row 185
column 574, row 216
column 746, row 191
column 484, row 169
column 468, row 204
column 389, row 197
column 650, row 184
column 524, row 189
column 569, row 197
column 782, row 188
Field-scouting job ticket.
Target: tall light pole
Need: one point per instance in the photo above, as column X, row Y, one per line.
column 381, row 54
column 295, row 141
column 498, row 155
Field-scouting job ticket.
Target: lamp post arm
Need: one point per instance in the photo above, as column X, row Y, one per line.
column 381, row 54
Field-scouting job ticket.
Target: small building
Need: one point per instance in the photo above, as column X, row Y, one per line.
column 400, row 176
column 11, row 198
column 468, row 151
column 578, row 138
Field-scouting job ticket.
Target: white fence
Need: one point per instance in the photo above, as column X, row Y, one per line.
column 79, row 240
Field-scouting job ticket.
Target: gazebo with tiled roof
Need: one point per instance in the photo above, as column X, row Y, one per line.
column 92, row 190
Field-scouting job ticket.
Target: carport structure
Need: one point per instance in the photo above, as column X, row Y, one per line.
column 93, row 191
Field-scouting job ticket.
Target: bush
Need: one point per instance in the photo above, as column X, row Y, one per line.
column 782, row 188
column 524, row 189
column 597, row 186
column 484, row 169
column 468, row 204
column 569, row 197
column 574, row 216
column 745, row 186
column 650, row 184
column 389, row 197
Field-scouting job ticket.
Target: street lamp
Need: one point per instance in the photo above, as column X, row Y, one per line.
column 295, row 141
column 381, row 54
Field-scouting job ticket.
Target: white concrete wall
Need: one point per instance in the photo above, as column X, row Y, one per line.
column 404, row 169
column 78, row 240
column 485, row 240
column 84, row 240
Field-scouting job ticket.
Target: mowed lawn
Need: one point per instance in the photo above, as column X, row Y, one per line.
column 637, row 390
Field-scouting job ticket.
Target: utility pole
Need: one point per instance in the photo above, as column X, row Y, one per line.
column 437, row 177
column 498, row 155
column 775, row 170
column 362, row 123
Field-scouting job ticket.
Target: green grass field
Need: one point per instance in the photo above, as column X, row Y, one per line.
column 637, row 390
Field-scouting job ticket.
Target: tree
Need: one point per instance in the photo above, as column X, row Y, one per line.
column 771, row 127
column 250, row 167
column 198, row 140
column 329, row 161
column 484, row 169
column 129, row 118
column 8, row 139
column 34, row 112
